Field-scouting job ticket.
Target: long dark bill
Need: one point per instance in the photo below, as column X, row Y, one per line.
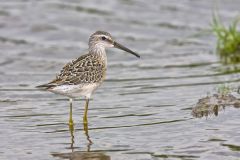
column 119, row 46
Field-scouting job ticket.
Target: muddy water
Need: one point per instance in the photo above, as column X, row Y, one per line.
column 143, row 110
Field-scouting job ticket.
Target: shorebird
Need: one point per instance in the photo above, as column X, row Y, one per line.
column 84, row 75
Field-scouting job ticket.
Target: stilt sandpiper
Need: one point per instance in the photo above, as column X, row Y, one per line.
column 83, row 76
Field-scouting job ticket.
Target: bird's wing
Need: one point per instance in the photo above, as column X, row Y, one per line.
column 85, row 69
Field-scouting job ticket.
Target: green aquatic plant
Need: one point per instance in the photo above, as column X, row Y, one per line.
column 212, row 104
column 228, row 40
column 224, row 89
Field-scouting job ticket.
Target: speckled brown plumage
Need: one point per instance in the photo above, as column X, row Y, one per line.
column 83, row 76
column 89, row 68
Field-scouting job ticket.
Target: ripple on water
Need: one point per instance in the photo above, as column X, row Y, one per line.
column 143, row 110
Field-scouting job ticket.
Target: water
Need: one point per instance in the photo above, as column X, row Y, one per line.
column 143, row 110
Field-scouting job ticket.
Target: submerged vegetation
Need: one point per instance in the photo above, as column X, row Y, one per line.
column 228, row 40
column 212, row 104
column 224, row 89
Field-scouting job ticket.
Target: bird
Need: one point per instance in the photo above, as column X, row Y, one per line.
column 82, row 76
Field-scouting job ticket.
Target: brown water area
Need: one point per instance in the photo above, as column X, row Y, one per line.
column 143, row 111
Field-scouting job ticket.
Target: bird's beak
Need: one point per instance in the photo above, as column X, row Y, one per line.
column 119, row 46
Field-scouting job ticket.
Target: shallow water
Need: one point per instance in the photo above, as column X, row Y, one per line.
column 143, row 110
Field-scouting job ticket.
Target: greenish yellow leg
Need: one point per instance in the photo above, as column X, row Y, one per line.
column 70, row 114
column 71, row 125
column 85, row 121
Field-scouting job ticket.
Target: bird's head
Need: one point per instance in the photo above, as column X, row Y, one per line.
column 101, row 39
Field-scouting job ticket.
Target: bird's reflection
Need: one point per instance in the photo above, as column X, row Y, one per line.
column 71, row 129
column 85, row 127
column 81, row 155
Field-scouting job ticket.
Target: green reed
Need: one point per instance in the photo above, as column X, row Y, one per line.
column 228, row 40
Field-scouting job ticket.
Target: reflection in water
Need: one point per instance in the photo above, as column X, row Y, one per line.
column 71, row 129
column 85, row 126
column 232, row 147
column 78, row 155
column 82, row 155
column 213, row 104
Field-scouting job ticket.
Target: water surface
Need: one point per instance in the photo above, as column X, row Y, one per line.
column 143, row 110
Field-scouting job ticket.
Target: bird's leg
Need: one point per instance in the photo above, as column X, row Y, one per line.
column 70, row 114
column 71, row 125
column 85, row 121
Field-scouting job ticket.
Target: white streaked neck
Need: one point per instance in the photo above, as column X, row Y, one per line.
column 99, row 50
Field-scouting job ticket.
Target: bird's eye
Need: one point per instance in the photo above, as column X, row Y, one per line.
column 103, row 38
